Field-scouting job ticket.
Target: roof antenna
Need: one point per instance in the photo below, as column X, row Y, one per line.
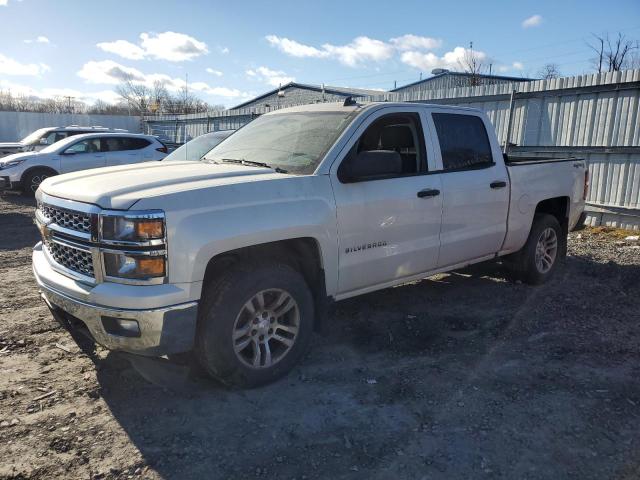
column 349, row 102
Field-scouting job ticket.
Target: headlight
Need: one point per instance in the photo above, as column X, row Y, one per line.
column 142, row 236
column 132, row 266
column 11, row 163
column 132, row 228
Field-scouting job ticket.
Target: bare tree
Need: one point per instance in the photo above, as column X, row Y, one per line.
column 612, row 56
column 472, row 64
column 158, row 99
column 136, row 94
column 549, row 71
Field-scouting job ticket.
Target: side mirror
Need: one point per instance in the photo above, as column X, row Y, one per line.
column 43, row 141
column 372, row 164
column 68, row 152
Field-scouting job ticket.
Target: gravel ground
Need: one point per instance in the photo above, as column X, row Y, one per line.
column 459, row 376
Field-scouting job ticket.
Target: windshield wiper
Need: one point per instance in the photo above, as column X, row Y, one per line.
column 251, row 163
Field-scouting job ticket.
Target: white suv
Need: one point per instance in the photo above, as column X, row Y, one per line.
column 80, row 152
column 44, row 137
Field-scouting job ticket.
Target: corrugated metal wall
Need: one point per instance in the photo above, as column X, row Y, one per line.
column 15, row 126
column 453, row 80
column 592, row 116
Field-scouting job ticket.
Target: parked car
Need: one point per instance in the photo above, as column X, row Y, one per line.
column 80, row 152
column 196, row 149
column 44, row 137
column 238, row 256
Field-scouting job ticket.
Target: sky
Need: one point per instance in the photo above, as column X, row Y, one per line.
column 229, row 52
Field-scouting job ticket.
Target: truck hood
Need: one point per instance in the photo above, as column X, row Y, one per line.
column 122, row 186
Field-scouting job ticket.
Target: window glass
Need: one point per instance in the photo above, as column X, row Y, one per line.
column 398, row 133
column 91, row 145
column 196, row 148
column 463, row 141
column 111, row 144
column 51, row 138
column 132, row 143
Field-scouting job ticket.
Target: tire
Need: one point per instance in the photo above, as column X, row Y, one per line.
column 32, row 180
column 233, row 323
column 538, row 260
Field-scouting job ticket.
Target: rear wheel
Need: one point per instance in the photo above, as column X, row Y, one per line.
column 33, row 179
column 255, row 324
column 537, row 261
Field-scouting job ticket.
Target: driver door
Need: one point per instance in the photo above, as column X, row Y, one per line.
column 82, row 155
column 388, row 226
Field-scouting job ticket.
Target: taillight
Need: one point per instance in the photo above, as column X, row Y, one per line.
column 162, row 149
column 586, row 185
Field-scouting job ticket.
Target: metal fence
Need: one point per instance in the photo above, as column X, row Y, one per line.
column 592, row 116
column 14, row 126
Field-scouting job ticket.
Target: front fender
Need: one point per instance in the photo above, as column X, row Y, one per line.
column 229, row 217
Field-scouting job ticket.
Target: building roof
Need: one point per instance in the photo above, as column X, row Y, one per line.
column 344, row 91
column 464, row 74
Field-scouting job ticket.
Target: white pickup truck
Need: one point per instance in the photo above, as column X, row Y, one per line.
column 237, row 256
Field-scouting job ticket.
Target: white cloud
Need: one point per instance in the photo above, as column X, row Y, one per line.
column 293, row 48
column 108, row 72
column 39, row 39
column 223, row 50
column 171, row 46
column 272, row 77
column 415, row 42
column 3, row 3
column 532, row 21
column 217, row 73
column 360, row 50
column 519, row 66
column 9, row 66
column 123, row 49
column 452, row 60
column 108, row 96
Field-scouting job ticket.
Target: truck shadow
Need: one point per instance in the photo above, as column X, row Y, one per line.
column 400, row 356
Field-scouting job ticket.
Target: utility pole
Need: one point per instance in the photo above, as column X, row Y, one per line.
column 68, row 97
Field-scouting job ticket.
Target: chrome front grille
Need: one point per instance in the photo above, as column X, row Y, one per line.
column 73, row 220
column 69, row 257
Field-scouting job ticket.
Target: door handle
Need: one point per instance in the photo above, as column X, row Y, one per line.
column 498, row 184
column 428, row 192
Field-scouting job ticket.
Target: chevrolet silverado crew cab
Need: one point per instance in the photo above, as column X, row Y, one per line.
column 237, row 256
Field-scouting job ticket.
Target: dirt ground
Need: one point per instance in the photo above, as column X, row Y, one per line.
column 459, row 376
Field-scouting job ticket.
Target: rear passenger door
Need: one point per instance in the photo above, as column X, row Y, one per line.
column 475, row 188
column 125, row 150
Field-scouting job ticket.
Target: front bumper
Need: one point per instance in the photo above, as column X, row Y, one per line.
column 162, row 331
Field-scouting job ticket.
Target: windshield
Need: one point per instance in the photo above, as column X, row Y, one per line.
column 293, row 142
column 34, row 137
column 196, row 148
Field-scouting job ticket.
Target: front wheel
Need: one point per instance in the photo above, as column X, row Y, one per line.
column 537, row 261
column 33, row 179
column 255, row 324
